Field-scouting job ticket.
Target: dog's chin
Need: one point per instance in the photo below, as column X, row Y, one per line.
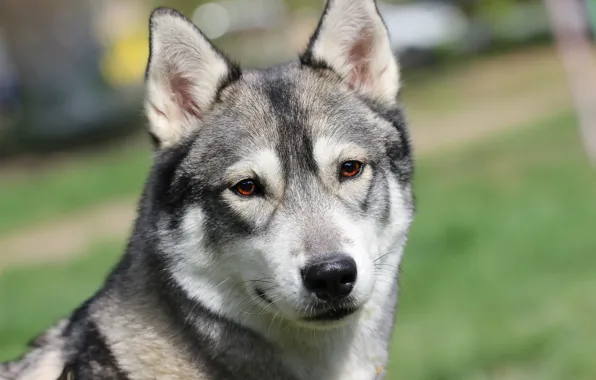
column 322, row 316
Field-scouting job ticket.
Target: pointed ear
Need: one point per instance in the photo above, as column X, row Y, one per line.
column 353, row 41
column 184, row 74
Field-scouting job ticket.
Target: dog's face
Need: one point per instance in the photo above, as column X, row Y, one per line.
column 285, row 189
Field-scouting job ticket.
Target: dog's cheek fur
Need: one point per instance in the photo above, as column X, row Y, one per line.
column 174, row 191
column 275, row 257
column 380, row 234
column 191, row 263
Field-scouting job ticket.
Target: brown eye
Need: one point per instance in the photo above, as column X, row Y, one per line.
column 245, row 187
column 350, row 169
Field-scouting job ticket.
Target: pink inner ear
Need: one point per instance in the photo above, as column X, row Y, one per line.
column 182, row 89
column 360, row 56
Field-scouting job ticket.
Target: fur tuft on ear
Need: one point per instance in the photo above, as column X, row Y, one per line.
column 184, row 74
column 353, row 41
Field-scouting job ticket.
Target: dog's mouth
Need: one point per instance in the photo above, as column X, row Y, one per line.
column 332, row 315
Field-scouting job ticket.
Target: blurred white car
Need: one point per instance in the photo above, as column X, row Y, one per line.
column 423, row 25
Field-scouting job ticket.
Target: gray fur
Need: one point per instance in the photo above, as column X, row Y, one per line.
column 210, row 287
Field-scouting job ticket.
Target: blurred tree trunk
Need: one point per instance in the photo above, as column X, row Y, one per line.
column 571, row 30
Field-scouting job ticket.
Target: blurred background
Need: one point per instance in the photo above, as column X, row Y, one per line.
column 499, row 278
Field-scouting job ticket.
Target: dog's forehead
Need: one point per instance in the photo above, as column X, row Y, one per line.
column 300, row 99
column 286, row 110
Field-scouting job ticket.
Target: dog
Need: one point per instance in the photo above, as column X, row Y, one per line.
column 272, row 224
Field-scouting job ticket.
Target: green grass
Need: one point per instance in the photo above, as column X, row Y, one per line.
column 94, row 178
column 499, row 276
column 500, row 270
column 33, row 298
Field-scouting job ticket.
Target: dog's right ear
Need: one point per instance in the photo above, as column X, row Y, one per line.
column 352, row 40
column 184, row 74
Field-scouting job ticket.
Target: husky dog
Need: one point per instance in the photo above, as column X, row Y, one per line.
column 271, row 228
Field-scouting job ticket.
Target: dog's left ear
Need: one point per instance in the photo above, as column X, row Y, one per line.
column 352, row 40
column 184, row 74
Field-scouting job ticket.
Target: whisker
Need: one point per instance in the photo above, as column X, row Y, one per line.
column 385, row 255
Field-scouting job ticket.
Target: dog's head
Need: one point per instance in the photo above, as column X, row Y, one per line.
column 285, row 189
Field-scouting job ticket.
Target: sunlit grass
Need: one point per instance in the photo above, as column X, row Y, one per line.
column 86, row 181
column 500, row 269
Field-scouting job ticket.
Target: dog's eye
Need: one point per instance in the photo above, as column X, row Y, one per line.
column 350, row 169
column 246, row 187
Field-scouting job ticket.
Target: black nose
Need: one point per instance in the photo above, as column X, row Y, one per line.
column 331, row 278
